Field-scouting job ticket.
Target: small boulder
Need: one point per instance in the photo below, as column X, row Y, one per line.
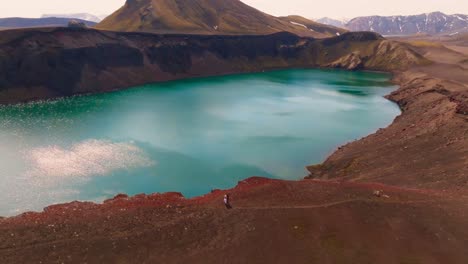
column 117, row 197
column 121, row 196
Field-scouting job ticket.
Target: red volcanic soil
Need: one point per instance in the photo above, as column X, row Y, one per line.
column 416, row 212
column 271, row 222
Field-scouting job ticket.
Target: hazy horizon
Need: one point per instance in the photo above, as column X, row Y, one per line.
column 306, row 8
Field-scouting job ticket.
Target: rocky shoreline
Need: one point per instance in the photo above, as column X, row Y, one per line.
column 425, row 147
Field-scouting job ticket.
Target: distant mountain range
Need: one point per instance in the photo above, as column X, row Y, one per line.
column 18, row 22
column 430, row 23
column 207, row 17
column 82, row 16
column 235, row 17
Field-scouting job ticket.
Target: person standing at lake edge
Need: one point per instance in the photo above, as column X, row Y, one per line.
column 227, row 202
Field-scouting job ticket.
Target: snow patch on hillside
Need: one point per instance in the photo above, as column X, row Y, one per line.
column 298, row 24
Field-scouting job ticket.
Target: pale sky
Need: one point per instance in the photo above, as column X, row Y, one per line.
column 306, row 8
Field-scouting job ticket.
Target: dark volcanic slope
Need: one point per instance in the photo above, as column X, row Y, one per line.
column 40, row 64
column 204, row 17
column 18, row 22
column 431, row 23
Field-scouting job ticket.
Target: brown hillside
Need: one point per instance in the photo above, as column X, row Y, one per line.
column 318, row 28
column 205, row 17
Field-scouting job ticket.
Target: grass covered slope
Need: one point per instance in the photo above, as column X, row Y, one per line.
column 205, row 17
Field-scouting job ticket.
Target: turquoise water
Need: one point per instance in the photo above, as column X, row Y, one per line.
column 189, row 136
